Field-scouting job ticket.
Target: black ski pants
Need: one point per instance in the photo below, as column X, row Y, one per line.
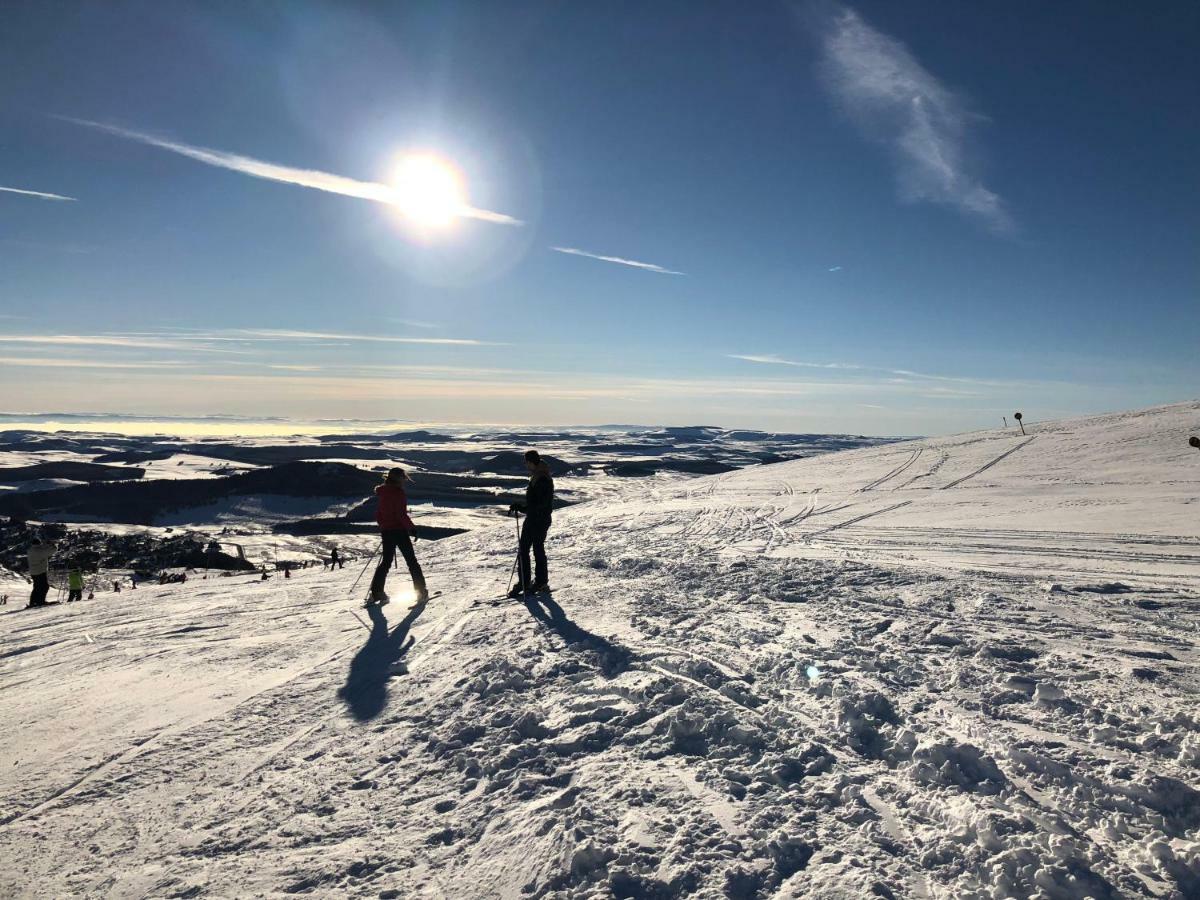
column 74, row 595
column 41, row 587
column 533, row 537
column 393, row 540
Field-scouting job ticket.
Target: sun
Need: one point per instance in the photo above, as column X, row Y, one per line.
column 430, row 191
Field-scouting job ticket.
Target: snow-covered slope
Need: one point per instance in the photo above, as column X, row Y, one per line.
column 960, row 667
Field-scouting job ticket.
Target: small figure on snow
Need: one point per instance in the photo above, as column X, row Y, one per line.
column 395, row 528
column 335, row 559
column 538, row 506
column 39, row 571
column 74, row 585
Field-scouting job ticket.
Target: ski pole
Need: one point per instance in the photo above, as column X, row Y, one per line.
column 513, row 571
column 363, row 572
column 524, row 586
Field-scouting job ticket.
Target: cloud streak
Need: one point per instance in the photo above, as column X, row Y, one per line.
column 263, row 335
column 54, row 363
column 41, row 195
column 108, row 340
column 309, row 178
column 271, row 334
column 772, row 359
column 620, row 261
column 894, row 100
column 897, row 377
column 328, row 182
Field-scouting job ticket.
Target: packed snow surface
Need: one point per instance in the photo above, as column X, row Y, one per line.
column 953, row 668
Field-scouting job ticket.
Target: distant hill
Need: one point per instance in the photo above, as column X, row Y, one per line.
column 74, row 471
column 142, row 502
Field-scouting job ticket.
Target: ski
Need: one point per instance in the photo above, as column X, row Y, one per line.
column 41, row 605
column 505, row 598
column 368, row 603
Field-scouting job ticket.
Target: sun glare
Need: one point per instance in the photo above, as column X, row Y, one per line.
column 430, row 191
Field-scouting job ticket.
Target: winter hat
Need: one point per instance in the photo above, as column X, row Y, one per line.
column 396, row 476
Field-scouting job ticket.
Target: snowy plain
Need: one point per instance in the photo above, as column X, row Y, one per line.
column 953, row 668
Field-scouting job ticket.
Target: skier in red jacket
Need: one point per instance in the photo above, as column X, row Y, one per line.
column 394, row 529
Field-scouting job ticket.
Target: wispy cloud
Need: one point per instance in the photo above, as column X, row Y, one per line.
column 41, row 195
column 895, row 377
column 772, row 359
column 895, row 100
column 281, row 335
column 309, row 178
column 621, row 261
column 835, row 268
column 109, row 340
column 287, row 335
column 54, row 363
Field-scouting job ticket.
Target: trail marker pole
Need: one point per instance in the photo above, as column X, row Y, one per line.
column 1005, row 418
column 1018, row 417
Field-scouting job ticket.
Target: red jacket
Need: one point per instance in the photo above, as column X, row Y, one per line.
column 392, row 510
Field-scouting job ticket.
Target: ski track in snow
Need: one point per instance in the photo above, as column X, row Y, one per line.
column 823, row 678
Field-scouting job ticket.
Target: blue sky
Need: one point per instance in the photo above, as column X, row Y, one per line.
column 885, row 218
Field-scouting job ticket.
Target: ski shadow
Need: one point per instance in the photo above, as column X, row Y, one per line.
column 365, row 691
column 612, row 657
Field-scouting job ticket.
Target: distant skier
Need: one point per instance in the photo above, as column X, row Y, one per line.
column 538, row 506
column 394, row 529
column 39, row 571
column 74, row 585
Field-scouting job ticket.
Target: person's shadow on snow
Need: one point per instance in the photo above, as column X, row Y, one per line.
column 613, row 658
column 365, row 690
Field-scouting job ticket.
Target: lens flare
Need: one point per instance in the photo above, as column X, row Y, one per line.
column 430, row 192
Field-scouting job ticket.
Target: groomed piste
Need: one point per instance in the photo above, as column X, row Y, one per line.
column 954, row 668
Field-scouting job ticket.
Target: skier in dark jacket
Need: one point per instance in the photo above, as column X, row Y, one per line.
column 538, row 506
column 394, row 529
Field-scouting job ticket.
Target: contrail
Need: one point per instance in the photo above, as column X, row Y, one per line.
column 649, row 267
column 309, row 178
column 41, row 194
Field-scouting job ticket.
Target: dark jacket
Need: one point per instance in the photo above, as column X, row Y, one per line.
column 539, row 495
